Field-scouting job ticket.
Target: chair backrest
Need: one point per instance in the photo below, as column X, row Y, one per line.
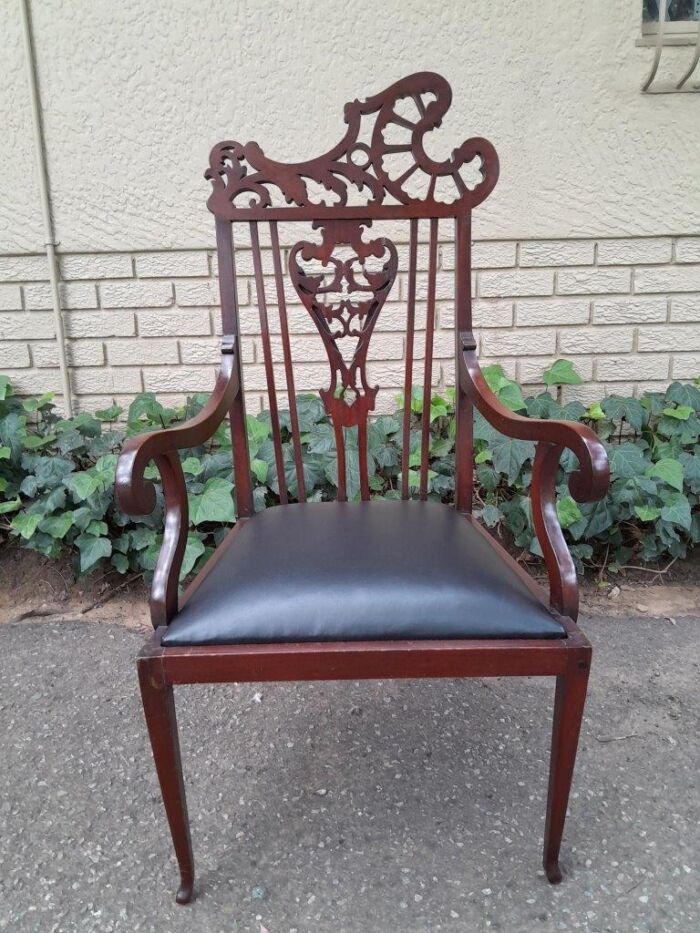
column 342, row 269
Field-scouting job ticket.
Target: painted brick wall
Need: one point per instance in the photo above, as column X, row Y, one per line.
column 626, row 311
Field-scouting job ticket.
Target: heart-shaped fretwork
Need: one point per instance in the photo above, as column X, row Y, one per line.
column 344, row 294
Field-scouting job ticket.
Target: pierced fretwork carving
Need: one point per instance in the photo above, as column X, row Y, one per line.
column 244, row 179
column 344, row 291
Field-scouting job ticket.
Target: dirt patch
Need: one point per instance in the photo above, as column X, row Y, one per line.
column 32, row 586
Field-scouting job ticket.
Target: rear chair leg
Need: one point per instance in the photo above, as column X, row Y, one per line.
column 159, row 708
column 569, row 700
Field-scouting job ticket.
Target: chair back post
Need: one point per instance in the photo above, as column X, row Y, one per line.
column 464, row 413
column 243, row 490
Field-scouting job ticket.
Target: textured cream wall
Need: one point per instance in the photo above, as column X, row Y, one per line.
column 626, row 312
column 136, row 93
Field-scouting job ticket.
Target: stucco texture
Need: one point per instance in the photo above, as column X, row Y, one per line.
column 135, row 94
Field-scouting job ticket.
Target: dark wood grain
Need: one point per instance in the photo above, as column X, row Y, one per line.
column 428, row 361
column 159, row 710
column 245, row 182
column 587, row 484
column 267, row 359
column 288, row 365
column 408, row 369
column 569, row 701
column 136, row 495
column 464, row 413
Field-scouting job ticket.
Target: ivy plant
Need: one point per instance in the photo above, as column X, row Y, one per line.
column 57, row 474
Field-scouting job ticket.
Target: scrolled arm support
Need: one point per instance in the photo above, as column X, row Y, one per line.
column 136, row 495
column 587, row 484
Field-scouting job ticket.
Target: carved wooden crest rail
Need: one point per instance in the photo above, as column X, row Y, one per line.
column 380, row 170
column 247, row 184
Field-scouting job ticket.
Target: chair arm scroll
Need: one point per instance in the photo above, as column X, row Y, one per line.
column 136, row 495
column 587, row 484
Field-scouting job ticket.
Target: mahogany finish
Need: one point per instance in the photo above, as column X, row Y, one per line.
column 343, row 273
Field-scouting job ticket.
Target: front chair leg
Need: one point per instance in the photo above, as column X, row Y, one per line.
column 159, row 709
column 569, row 700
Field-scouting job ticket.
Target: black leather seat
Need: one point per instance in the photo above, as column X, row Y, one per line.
column 337, row 571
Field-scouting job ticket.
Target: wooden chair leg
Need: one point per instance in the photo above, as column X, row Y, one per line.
column 569, row 701
column 159, row 709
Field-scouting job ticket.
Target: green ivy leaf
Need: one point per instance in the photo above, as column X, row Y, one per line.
column 647, row 513
column 504, row 388
column 26, row 523
column 512, row 397
column 105, row 469
column 120, row 562
column 561, row 372
column 97, row 528
column 618, row 408
column 192, row 466
column 599, row 518
column 509, row 455
column 682, row 412
column 544, row 406
column 491, row 515
column 10, row 506
column 258, row 431
column 321, row 439
column 594, row 412
column 683, row 394
column 193, row 551
column 82, row 517
column 142, row 537
column 214, row 504
column 676, row 509
column 109, row 414
column 670, row 471
column 34, row 441
column 5, row 453
column 5, row 388
column 691, row 470
column 259, row 469
column 626, row 460
column 495, row 377
column 58, row 526
column 92, row 549
column 568, row 511
column 82, row 485
column 34, row 404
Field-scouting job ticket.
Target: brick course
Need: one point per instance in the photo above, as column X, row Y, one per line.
column 625, row 311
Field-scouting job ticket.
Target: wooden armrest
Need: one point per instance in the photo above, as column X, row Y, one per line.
column 587, row 484
column 137, row 496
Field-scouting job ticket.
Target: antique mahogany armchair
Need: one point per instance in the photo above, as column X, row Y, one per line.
column 366, row 589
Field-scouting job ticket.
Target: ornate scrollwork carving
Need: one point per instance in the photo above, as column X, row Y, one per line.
column 244, row 178
column 344, row 297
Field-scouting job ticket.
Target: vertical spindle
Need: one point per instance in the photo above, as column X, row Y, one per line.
column 288, row 365
column 428, row 365
column 267, row 357
column 410, row 335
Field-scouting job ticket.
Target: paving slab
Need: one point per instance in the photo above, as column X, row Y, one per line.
column 376, row 806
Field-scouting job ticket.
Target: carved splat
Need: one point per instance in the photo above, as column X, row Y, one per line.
column 344, row 290
column 392, row 173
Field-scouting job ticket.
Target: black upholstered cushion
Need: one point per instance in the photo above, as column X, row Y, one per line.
column 359, row 571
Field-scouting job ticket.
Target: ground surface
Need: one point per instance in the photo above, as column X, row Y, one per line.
column 393, row 807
